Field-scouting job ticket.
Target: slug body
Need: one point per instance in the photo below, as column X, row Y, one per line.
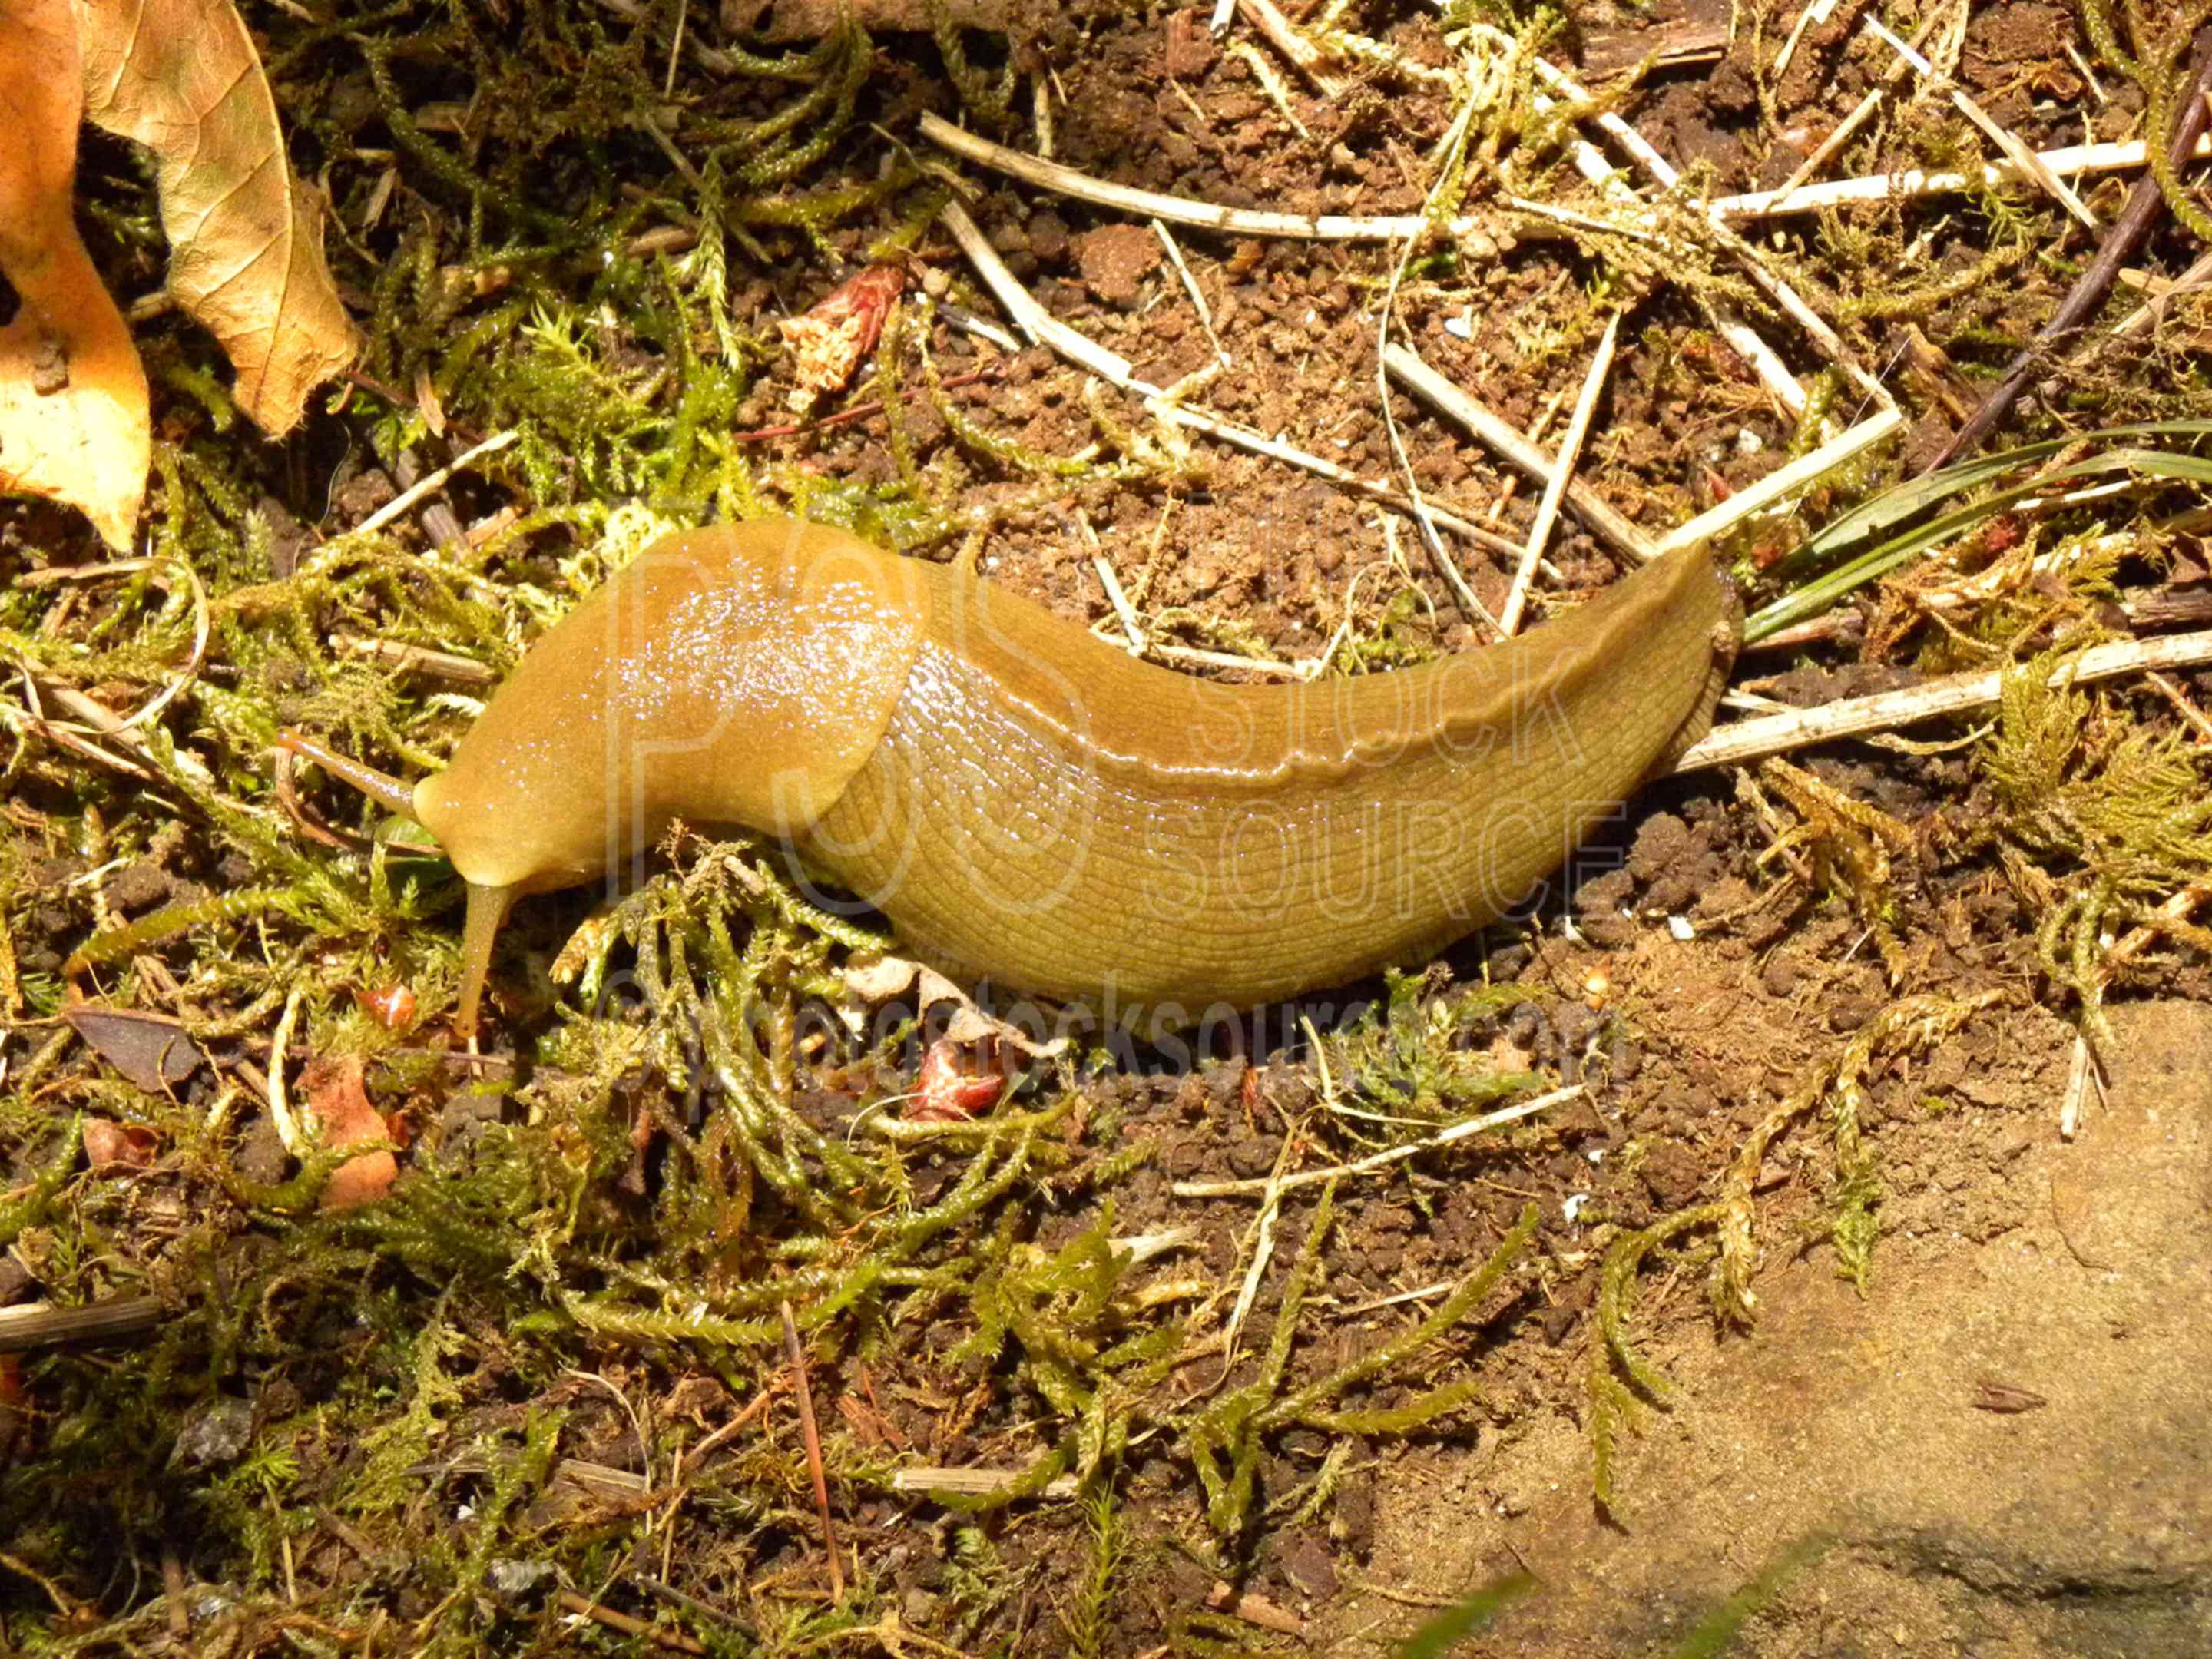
column 1029, row 803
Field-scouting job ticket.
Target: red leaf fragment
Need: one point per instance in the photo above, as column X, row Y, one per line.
column 952, row 1087
column 118, row 1148
column 337, row 1105
column 831, row 339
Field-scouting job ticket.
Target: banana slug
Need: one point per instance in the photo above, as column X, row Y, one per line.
column 1031, row 805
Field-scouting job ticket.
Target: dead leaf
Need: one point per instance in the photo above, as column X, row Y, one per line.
column 954, row 1086
column 338, row 1106
column 74, row 423
column 878, row 979
column 245, row 242
column 830, row 341
column 153, row 1051
column 114, row 1148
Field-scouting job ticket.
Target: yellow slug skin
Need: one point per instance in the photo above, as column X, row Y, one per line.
column 734, row 675
column 1030, row 804
column 1048, row 812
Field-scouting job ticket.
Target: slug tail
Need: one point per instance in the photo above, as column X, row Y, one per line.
column 488, row 909
column 381, row 787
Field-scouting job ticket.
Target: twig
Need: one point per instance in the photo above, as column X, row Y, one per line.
column 797, row 1355
column 430, row 483
column 1743, row 338
column 691, row 1458
column 1776, row 734
column 280, row 1109
column 2145, row 316
column 2145, row 210
column 2003, row 138
column 1175, row 210
column 1190, row 286
column 1123, row 611
column 1244, row 437
column 1817, row 13
column 443, row 665
column 1254, row 1609
column 922, row 1479
column 626, row 1624
column 1259, row 1187
column 1447, row 399
column 41, row 1325
column 1861, row 111
column 1563, row 472
column 2069, row 161
column 1662, row 173
column 1784, row 481
column 1301, row 53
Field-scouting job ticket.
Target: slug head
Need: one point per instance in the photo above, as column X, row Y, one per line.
column 734, row 676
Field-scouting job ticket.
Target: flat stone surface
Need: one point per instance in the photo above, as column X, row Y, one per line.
column 2080, row 1527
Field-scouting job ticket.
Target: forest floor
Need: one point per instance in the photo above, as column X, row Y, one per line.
column 540, row 1388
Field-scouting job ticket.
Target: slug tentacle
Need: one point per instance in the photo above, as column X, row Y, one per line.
column 381, row 787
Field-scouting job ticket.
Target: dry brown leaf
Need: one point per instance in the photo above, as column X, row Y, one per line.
column 245, row 242
column 338, row 1106
column 111, row 1148
column 154, row 1051
column 74, row 425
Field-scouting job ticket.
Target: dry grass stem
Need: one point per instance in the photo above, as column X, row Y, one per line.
column 1563, row 472
column 2070, row 162
column 1604, row 520
column 1260, row 1187
column 1298, row 52
column 1784, row 481
column 1176, row 210
column 2030, row 164
column 1110, row 366
column 1777, row 734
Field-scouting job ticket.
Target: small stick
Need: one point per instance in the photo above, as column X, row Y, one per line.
column 41, row 1325
column 1254, row 1609
column 922, row 1479
column 1783, row 480
column 2145, row 210
column 1662, row 173
column 1563, row 472
column 430, row 483
column 1176, row 210
column 1449, row 401
column 2069, row 161
column 280, row 1109
column 1776, row 734
column 2000, row 135
column 625, row 1623
column 691, row 1459
column 444, row 665
column 2145, row 316
column 1119, row 601
column 797, row 1355
column 1814, row 15
column 1860, row 112
column 1303, row 55
column 1259, row 1186
column 1190, row 286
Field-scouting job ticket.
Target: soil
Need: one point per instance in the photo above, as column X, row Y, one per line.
column 2000, row 1443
